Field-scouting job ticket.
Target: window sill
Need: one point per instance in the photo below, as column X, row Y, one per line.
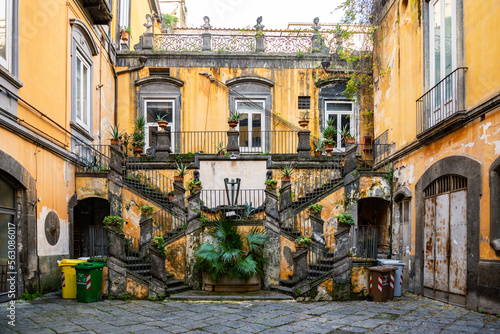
column 5, row 74
column 81, row 130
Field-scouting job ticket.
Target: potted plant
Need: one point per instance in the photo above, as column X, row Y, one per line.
column 171, row 196
column 347, row 136
column 330, row 134
column 116, row 135
column 125, row 34
column 170, row 22
column 181, row 171
column 234, row 118
column 194, row 185
column 116, row 222
column 317, row 146
column 345, row 218
column 162, row 123
column 315, row 208
column 304, row 119
column 302, row 242
column 286, row 172
column 146, row 209
column 271, row 184
column 138, row 135
column 159, row 243
column 219, row 149
column 235, row 261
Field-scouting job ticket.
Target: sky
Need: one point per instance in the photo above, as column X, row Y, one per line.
column 276, row 14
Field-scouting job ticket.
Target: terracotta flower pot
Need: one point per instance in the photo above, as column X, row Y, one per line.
column 285, row 179
column 328, row 149
column 303, row 123
column 349, row 141
column 162, row 124
column 124, row 35
column 170, row 198
column 179, row 178
column 317, row 153
column 137, row 151
column 115, row 142
column 232, row 124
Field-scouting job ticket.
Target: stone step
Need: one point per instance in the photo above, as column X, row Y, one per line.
column 282, row 289
column 286, row 283
column 177, row 289
column 174, row 282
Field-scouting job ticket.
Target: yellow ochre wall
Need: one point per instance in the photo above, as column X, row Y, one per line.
column 205, row 104
column 399, row 83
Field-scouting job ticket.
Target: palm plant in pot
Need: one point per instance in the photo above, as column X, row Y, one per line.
column 234, row 118
column 347, row 136
column 304, row 119
column 286, row 172
column 116, row 135
column 162, row 123
column 330, row 134
column 232, row 261
column 138, row 135
column 182, row 169
column 317, row 146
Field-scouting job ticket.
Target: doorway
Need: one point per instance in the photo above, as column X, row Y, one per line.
column 89, row 236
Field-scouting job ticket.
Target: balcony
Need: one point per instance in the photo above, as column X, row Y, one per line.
column 443, row 106
column 99, row 10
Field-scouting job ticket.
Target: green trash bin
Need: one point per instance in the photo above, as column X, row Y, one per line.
column 88, row 281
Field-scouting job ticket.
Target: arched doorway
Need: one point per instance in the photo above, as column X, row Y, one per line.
column 445, row 238
column 8, row 244
column 373, row 227
column 89, row 237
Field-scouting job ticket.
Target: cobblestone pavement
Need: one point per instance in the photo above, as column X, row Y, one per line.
column 410, row 314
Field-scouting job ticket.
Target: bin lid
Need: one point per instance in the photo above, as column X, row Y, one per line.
column 382, row 269
column 89, row 265
column 69, row 262
column 387, row 261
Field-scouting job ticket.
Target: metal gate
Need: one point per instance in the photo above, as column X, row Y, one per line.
column 445, row 233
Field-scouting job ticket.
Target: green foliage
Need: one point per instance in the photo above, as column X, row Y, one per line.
column 300, row 54
column 317, row 144
column 170, row 20
column 127, row 29
column 219, row 148
column 271, row 183
column 389, row 176
column 115, row 133
column 303, row 241
column 190, row 155
column 193, row 184
column 161, row 118
column 114, row 221
column 181, row 168
column 227, row 257
column 287, row 170
column 264, row 153
column 138, row 134
column 304, row 116
column 329, row 132
column 298, row 291
column 146, row 209
column 315, row 207
column 345, row 218
column 248, row 210
column 481, row 310
column 234, row 116
column 27, row 296
column 159, row 243
column 158, row 298
column 346, row 132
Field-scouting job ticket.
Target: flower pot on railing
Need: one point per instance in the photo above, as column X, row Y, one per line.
column 329, row 148
column 303, row 123
column 232, row 124
column 163, row 125
column 116, row 142
column 349, row 141
column 138, row 150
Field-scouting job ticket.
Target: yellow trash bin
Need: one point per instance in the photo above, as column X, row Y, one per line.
column 68, row 277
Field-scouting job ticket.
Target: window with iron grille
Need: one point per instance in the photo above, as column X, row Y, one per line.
column 304, row 102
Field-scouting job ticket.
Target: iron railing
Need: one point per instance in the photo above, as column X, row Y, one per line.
column 247, row 204
column 178, row 42
column 366, row 243
column 443, row 101
column 148, row 181
column 287, row 44
column 92, row 158
column 233, row 43
column 168, row 224
column 98, row 241
column 316, row 182
column 138, row 256
column 251, row 142
column 372, row 157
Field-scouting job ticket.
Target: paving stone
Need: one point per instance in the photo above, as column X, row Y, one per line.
column 370, row 323
column 217, row 329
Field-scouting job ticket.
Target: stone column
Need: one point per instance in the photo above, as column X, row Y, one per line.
column 317, row 233
column 179, row 194
column 158, row 273
column 304, row 146
column 163, row 145
column 299, row 265
column 259, row 42
column 342, row 265
column 233, row 146
column 286, row 208
column 147, row 41
column 206, row 41
column 350, row 161
column 115, row 177
column 194, row 239
column 272, row 247
column 116, row 263
column 146, row 229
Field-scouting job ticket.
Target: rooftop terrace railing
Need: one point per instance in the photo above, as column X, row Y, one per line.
column 443, row 101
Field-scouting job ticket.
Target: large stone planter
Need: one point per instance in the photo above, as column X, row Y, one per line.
column 227, row 284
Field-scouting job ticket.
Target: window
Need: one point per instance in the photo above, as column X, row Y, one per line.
column 83, row 92
column 5, row 33
column 124, row 13
column 154, row 108
column 443, row 46
column 304, row 102
column 341, row 113
column 251, row 125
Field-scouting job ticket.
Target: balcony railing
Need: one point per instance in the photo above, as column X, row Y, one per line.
column 92, row 159
column 372, row 157
column 247, row 204
column 442, row 102
column 275, row 142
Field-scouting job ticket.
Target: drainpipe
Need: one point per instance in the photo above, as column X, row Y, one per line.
column 142, row 60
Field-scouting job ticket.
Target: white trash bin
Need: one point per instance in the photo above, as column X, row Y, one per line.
column 398, row 280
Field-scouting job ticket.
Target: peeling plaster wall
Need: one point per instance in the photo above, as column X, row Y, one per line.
column 175, row 260
column 90, row 186
column 286, row 257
